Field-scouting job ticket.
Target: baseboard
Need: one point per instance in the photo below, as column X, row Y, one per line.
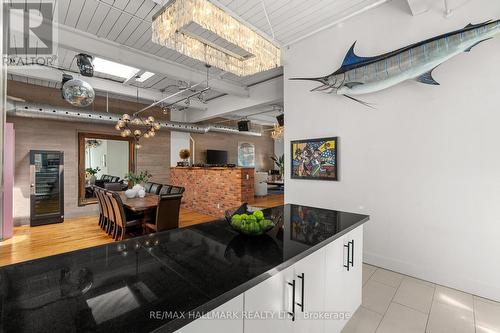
column 461, row 283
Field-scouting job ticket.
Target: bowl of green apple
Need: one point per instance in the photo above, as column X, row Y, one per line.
column 250, row 223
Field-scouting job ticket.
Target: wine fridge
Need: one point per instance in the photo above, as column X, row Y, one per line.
column 47, row 187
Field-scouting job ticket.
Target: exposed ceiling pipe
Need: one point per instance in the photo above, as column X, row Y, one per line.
column 47, row 112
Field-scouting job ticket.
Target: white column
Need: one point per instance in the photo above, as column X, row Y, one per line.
column 3, row 83
column 178, row 140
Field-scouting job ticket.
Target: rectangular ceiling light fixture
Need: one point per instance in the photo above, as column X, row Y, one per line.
column 203, row 31
column 113, row 68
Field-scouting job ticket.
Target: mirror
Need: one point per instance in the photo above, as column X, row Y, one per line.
column 103, row 159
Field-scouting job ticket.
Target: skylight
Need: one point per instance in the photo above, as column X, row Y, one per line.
column 114, row 68
column 144, row 76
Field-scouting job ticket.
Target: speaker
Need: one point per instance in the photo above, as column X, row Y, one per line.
column 281, row 119
column 244, row 125
column 84, row 63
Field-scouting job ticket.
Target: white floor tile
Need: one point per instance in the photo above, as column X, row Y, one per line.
column 368, row 271
column 427, row 283
column 448, row 318
column 387, row 277
column 377, row 296
column 487, row 315
column 454, row 298
column 399, row 319
column 363, row 321
column 415, row 295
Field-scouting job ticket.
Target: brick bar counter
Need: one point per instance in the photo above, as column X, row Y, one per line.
column 211, row 191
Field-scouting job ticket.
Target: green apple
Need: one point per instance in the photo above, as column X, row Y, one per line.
column 258, row 215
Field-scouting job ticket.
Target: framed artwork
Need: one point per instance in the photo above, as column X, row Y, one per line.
column 315, row 159
column 246, row 154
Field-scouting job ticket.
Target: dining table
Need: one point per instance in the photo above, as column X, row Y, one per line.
column 148, row 203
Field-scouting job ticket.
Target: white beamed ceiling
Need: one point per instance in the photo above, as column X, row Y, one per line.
column 128, row 22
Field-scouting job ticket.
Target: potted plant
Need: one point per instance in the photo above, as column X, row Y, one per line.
column 138, row 179
column 280, row 163
column 90, row 174
column 184, row 154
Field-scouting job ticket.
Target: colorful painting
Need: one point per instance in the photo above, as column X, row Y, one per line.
column 315, row 159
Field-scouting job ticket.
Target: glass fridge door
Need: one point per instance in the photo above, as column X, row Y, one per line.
column 47, row 199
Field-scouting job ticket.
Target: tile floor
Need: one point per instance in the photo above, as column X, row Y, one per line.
column 396, row 303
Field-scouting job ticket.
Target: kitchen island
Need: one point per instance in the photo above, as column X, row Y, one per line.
column 308, row 265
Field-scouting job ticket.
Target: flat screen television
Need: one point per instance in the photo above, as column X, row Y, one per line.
column 216, row 157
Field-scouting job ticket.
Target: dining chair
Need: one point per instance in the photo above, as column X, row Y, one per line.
column 177, row 190
column 122, row 225
column 155, row 188
column 147, row 187
column 165, row 189
column 110, row 214
column 95, row 190
column 167, row 214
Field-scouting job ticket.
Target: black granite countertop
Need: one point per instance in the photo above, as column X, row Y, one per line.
column 116, row 287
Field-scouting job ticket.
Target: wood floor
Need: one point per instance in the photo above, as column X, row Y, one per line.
column 75, row 234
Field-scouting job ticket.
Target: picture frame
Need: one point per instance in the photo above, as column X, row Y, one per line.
column 315, row 159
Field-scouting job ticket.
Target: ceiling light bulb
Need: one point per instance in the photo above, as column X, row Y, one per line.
column 123, row 134
column 146, row 135
column 126, row 117
column 138, row 146
column 157, row 126
column 118, row 127
column 151, row 119
column 152, row 133
column 136, row 121
column 137, row 132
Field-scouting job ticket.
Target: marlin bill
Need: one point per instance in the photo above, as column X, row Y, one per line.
column 363, row 75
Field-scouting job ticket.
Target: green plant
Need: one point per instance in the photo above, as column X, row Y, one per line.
column 142, row 177
column 92, row 171
column 280, row 163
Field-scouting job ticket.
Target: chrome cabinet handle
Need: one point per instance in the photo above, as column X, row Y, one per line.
column 292, row 284
column 301, row 304
column 347, row 265
column 352, row 253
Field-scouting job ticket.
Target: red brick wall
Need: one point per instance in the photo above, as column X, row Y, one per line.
column 214, row 190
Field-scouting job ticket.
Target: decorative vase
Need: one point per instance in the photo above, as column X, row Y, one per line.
column 130, row 193
column 141, row 193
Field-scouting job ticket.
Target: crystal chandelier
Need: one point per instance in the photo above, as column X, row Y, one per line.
column 202, row 31
column 277, row 132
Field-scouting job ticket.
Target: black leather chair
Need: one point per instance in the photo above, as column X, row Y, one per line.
column 167, row 214
column 147, row 187
column 155, row 188
column 122, row 224
column 177, row 190
column 105, row 179
column 165, row 189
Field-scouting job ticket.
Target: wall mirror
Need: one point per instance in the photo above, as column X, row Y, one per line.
column 103, row 160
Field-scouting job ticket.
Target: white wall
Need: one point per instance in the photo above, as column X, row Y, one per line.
column 178, row 141
column 425, row 164
column 117, row 158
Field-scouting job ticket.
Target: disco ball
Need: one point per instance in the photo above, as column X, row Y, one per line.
column 78, row 92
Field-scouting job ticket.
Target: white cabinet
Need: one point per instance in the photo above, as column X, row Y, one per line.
column 231, row 325
column 343, row 279
column 310, row 293
column 326, row 283
column 273, row 299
